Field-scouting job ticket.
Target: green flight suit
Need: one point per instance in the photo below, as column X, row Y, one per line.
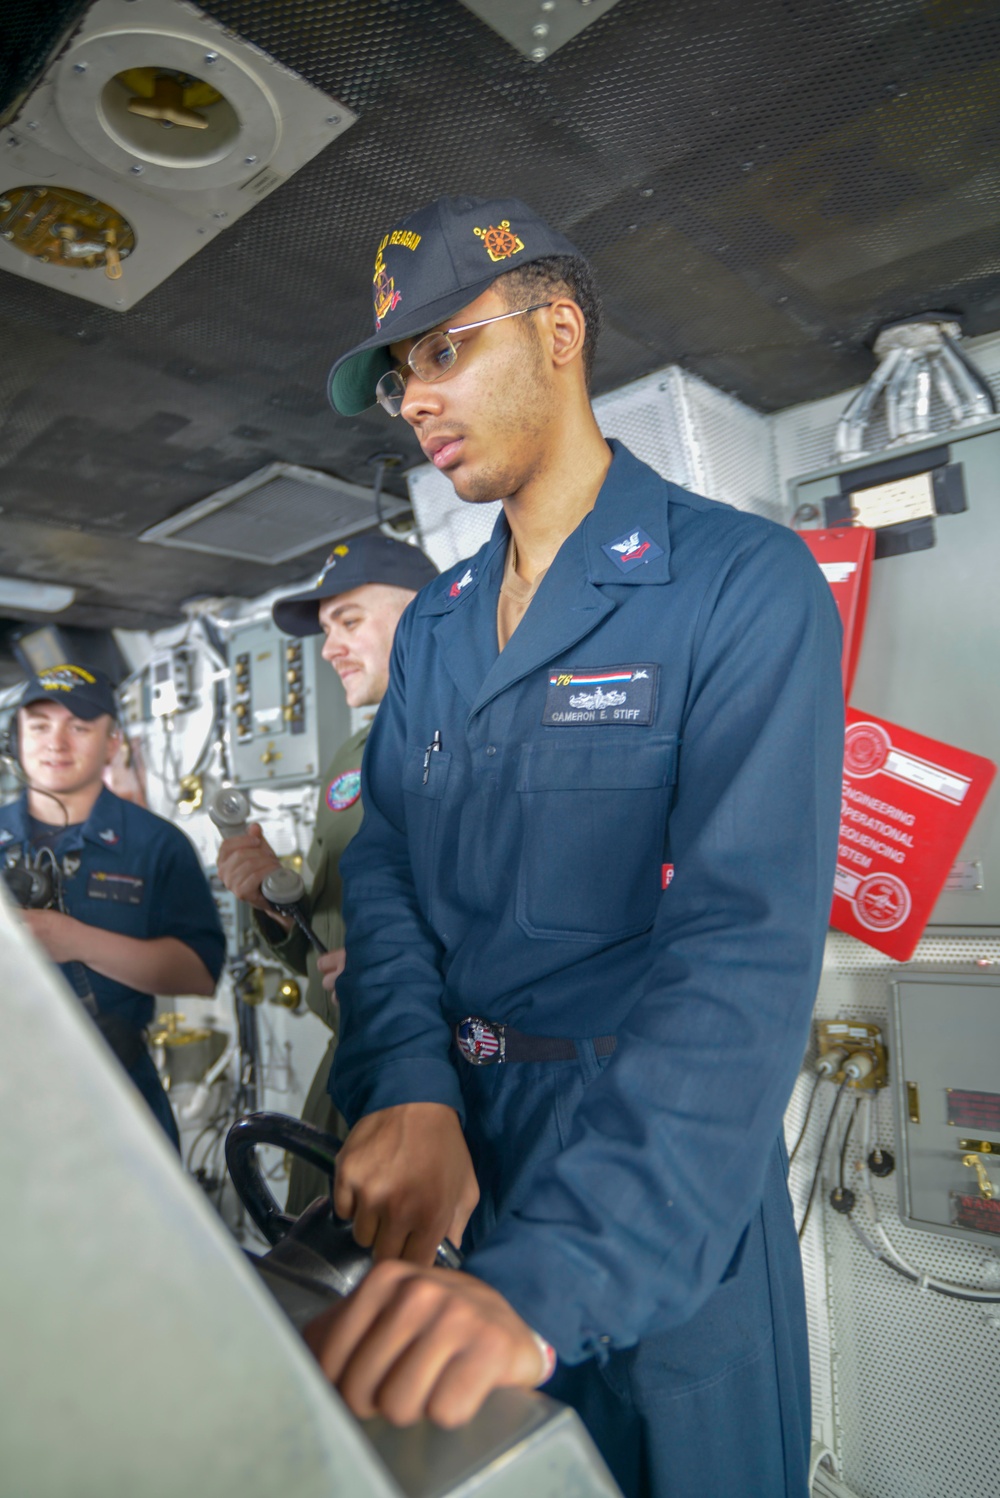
column 338, row 819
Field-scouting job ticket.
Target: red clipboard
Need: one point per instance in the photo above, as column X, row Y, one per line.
column 844, row 555
column 907, row 804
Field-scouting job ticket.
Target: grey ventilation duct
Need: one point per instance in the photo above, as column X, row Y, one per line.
column 278, row 513
column 919, row 357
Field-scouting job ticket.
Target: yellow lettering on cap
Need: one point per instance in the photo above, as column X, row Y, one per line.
column 64, row 678
column 405, row 237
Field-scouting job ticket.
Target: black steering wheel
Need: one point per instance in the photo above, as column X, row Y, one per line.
column 313, row 1145
column 302, row 1139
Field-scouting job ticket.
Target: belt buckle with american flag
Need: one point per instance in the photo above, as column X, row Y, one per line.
column 479, row 1042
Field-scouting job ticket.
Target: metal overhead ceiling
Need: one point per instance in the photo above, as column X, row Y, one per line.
column 760, row 184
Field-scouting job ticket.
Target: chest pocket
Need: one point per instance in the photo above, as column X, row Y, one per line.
column 423, row 815
column 593, row 820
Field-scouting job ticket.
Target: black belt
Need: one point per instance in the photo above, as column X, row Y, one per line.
column 480, row 1043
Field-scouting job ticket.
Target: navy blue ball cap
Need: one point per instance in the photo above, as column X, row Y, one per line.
column 86, row 693
column 371, row 558
column 433, row 263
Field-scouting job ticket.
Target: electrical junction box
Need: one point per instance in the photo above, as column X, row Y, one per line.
column 171, row 682
column 134, row 700
column 287, row 710
column 152, row 130
column 946, row 1090
column 928, row 657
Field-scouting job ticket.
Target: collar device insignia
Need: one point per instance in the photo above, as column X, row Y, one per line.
column 461, row 583
column 634, row 549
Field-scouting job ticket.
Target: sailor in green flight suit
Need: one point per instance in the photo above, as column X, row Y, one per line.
column 356, row 602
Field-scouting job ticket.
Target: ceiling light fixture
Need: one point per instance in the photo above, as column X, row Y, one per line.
column 34, row 598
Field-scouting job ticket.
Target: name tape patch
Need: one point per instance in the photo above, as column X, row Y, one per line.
column 122, row 889
column 612, row 695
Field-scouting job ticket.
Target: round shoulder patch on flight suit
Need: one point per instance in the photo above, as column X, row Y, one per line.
column 344, row 790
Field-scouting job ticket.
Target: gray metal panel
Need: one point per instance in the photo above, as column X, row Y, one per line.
column 149, row 1359
column 272, row 754
column 930, row 651
column 538, row 30
column 517, row 1444
column 946, row 1034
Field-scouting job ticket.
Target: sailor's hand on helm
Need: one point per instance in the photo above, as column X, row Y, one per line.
column 409, row 1343
column 405, row 1180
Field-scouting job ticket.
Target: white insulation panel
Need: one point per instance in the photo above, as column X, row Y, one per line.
column 904, row 1380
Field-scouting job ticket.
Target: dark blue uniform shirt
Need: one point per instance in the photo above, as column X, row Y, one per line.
column 134, row 873
column 629, row 828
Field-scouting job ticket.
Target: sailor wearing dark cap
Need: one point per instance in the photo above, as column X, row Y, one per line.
column 587, row 906
column 129, row 913
column 356, row 602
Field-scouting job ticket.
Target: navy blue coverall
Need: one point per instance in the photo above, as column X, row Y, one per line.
column 629, row 829
column 130, row 871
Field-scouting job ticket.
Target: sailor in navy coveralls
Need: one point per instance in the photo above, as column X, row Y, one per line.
column 586, row 908
column 136, row 914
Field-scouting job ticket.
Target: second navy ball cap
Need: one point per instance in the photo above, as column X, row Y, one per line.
column 87, row 694
column 371, row 558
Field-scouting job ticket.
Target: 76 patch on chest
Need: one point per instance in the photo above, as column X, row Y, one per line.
column 121, row 889
column 605, row 695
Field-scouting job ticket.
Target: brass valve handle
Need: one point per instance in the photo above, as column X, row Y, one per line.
column 985, row 1184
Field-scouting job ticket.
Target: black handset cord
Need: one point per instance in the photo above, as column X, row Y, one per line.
column 11, row 759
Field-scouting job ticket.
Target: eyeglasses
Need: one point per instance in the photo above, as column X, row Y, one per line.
column 432, row 357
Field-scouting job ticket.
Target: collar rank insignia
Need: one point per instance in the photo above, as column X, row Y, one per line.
column 632, row 550
column 109, row 836
column 461, row 583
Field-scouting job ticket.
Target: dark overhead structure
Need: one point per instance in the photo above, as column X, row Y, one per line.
column 761, row 185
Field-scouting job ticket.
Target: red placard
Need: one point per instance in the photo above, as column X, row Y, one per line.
column 908, row 802
column 845, row 554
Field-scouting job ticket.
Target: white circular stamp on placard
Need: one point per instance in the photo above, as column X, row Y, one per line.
column 882, row 902
column 866, row 749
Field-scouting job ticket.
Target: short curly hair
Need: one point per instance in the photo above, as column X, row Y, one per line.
column 563, row 275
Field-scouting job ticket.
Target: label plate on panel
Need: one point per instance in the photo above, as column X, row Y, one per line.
column 979, row 1111
column 976, row 1212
